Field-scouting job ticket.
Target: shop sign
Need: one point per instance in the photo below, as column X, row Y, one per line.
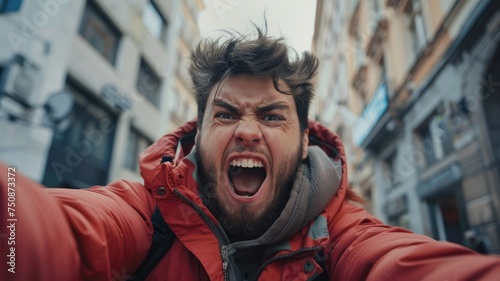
column 371, row 115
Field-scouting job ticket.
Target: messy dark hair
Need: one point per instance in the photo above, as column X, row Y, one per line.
column 216, row 59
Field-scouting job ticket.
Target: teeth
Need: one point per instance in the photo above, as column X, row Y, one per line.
column 247, row 163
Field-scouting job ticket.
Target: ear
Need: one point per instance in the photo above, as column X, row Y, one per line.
column 305, row 143
column 196, row 138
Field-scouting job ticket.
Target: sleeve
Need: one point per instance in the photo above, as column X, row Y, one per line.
column 100, row 233
column 363, row 248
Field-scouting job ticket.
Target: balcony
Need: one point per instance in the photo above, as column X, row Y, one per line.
column 354, row 11
column 378, row 36
column 360, row 74
column 396, row 4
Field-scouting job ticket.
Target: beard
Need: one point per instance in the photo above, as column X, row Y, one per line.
column 243, row 224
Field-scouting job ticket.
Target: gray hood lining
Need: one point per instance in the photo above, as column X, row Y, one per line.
column 317, row 182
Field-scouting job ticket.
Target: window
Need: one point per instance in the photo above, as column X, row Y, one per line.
column 459, row 123
column 88, row 117
column 137, row 143
column 9, row 6
column 393, row 171
column 360, row 59
column 389, row 168
column 416, row 26
column 428, row 144
column 448, row 219
column 99, row 31
column 396, row 209
column 360, row 51
column 81, row 154
column 154, row 21
column 149, row 84
column 436, row 137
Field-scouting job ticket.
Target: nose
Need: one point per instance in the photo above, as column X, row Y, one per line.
column 248, row 133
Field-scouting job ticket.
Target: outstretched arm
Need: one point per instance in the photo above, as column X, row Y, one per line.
column 365, row 249
column 100, row 233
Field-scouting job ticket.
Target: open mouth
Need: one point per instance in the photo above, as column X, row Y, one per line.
column 246, row 176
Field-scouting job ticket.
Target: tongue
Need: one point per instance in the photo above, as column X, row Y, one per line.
column 248, row 181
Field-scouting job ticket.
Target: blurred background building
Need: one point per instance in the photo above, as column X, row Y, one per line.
column 120, row 62
column 413, row 88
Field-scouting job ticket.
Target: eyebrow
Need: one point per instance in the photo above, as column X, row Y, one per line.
column 274, row 106
column 225, row 105
column 262, row 109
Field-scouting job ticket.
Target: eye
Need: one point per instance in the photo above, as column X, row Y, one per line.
column 273, row 118
column 223, row 115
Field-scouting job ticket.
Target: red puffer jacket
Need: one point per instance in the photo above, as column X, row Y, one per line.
column 103, row 233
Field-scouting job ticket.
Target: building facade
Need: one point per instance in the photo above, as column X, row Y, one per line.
column 424, row 81
column 335, row 106
column 117, row 61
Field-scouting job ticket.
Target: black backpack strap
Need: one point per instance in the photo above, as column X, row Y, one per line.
column 162, row 241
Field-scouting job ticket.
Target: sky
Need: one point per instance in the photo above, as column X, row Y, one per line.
column 292, row 19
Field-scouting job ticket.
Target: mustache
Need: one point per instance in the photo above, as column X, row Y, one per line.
column 233, row 171
column 242, row 148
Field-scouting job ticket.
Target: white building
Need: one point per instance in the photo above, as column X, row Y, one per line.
column 119, row 61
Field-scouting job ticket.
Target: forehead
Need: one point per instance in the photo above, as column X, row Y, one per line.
column 249, row 89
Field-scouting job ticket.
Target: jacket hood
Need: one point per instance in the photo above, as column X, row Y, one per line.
column 177, row 144
column 322, row 176
column 170, row 147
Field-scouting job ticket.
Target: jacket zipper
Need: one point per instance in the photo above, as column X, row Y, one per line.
column 285, row 256
column 223, row 240
column 225, row 261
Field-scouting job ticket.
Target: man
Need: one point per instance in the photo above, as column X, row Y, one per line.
column 473, row 240
column 252, row 191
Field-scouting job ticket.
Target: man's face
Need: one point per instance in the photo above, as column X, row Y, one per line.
column 250, row 148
